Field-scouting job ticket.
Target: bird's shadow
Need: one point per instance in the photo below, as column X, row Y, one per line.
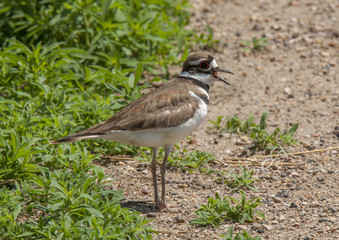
column 140, row 206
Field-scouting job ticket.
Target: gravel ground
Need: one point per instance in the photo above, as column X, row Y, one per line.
column 296, row 79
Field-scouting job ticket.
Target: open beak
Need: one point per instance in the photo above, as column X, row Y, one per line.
column 215, row 74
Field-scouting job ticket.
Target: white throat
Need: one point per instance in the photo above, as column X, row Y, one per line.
column 202, row 77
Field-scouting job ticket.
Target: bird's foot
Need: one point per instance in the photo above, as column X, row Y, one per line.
column 163, row 208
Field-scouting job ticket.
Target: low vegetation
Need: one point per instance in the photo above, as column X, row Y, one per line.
column 191, row 160
column 244, row 180
column 240, row 236
column 115, row 34
column 65, row 66
column 254, row 45
column 67, row 204
column 220, row 210
column 262, row 140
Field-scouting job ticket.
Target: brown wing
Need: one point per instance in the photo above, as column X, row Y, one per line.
column 164, row 107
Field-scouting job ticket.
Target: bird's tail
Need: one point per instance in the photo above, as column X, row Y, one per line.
column 73, row 138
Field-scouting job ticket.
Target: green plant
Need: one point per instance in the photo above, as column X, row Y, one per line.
column 276, row 141
column 240, row 236
column 67, row 205
column 45, row 93
column 243, row 180
column 255, row 44
column 190, row 161
column 115, row 34
column 206, row 41
column 219, row 210
column 262, row 140
column 234, row 124
column 65, row 66
column 43, row 98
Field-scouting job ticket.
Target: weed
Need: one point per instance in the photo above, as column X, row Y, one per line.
column 206, row 41
column 273, row 142
column 240, row 236
column 234, row 125
column 219, row 210
column 243, row 180
column 43, row 98
column 255, row 44
column 116, row 34
column 67, row 204
column 190, row 161
column 262, row 140
column 65, row 66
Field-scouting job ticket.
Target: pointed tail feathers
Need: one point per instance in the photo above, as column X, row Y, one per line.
column 73, row 138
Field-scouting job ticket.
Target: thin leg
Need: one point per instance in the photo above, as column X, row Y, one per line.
column 154, row 175
column 168, row 149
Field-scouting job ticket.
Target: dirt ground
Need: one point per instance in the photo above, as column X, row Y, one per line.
column 297, row 79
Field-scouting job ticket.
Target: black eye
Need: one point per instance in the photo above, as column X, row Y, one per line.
column 204, row 65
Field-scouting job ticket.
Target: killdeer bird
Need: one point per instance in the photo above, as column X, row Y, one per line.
column 161, row 117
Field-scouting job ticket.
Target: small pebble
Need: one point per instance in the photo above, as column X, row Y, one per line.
column 151, row 215
column 268, row 227
column 282, row 194
column 296, row 224
column 144, row 190
column 131, row 169
column 293, row 205
column 227, row 151
column 275, row 167
column 324, row 54
column 320, row 179
column 288, row 91
column 179, row 219
column 333, row 210
column 276, row 200
column 240, row 228
column 256, row 226
column 332, row 219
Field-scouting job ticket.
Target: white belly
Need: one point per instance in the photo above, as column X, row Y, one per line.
column 160, row 136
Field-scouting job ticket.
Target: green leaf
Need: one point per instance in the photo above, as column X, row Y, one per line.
column 56, row 206
column 131, row 81
column 16, row 212
column 293, row 129
column 94, row 212
column 263, row 120
column 138, row 74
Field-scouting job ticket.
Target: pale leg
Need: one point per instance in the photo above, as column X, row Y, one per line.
column 168, row 149
column 154, row 175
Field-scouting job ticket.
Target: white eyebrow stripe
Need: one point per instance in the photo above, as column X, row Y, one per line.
column 214, row 64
